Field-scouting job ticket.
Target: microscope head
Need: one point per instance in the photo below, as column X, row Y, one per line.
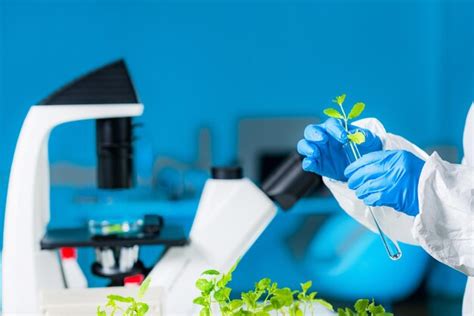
column 110, row 84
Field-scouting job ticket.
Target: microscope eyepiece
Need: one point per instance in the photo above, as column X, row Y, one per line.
column 289, row 182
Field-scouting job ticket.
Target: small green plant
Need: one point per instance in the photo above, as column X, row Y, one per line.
column 357, row 109
column 126, row 306
column 267, row 299
column 364, row 307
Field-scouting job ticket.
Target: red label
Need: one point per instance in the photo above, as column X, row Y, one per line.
column 134, row 279
column 68, row 253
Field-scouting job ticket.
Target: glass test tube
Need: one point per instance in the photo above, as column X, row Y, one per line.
column 391, row 246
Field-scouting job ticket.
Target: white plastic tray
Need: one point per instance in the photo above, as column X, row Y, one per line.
column 81, row 302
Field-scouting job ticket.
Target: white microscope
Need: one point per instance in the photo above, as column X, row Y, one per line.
column 232, row 212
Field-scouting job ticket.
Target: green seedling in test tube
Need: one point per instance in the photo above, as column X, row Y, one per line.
column 352, row 152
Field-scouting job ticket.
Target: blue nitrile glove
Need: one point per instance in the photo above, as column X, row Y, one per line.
column 387, row 178
column 322, row 146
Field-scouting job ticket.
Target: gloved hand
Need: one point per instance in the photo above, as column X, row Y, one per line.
column 387, row 178
column 322, row 146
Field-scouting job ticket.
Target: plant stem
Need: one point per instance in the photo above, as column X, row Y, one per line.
column 267, row 297
column 345, row 117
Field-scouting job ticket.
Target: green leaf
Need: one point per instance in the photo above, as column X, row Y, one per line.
column 226, row 278
column 268, row 307
column 100, row 312
column 331, row 112
column 361, row 305
column 111, row 303
column 276, row 303
column 211, row 272
column 295, row 310
column 324, row 303
column 222, row 295
column 340, row 99
column 250, row 299
column 273, row 287
column 357, row 137
column 205, row 312
column 142, row 309
column 143, row 288
column 312, row 295
column 224, row 309
column 284, row 296
column 234, row 304
column 200, row 301
column 376, row 309
column 341, row 312
column 301, row 297
column 345, row 312
column 356, row 110
column 204, row 285
column 121, row 299
column 305, row 286
column 263, row 284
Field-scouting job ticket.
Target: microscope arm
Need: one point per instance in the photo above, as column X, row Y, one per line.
column 26, row 269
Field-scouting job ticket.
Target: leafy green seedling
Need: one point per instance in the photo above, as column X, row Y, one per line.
column 357, row 109
column 126, row 306
column 267, row 298
column 364, row 307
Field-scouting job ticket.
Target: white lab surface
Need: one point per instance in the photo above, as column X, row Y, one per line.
column 445, row 225
column 82, row 302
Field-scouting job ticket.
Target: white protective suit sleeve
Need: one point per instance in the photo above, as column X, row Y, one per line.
column 395, row 224
column 445, row 225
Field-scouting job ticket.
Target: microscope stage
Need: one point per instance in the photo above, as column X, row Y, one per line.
column 170, row 236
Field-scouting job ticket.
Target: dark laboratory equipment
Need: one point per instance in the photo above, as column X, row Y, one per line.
column 289, row 182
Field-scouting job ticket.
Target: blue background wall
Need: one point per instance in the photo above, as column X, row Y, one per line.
column 209, row 63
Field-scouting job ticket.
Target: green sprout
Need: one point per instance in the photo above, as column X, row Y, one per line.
column 267, row 298
column 364, row 307
column 357, row 109
column 126, row 306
